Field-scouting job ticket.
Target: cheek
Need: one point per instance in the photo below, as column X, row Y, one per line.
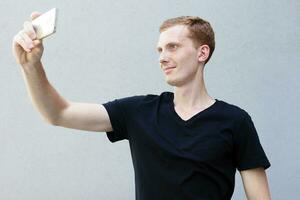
column 188, row 56
column 189, row 62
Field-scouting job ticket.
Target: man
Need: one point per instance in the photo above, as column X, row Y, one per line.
column 184, row 145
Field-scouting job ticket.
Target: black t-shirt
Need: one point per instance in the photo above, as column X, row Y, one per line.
column 176, row 159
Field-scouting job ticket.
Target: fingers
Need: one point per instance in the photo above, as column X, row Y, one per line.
column 24, row 41
column 26, row 38
column 28, row 41
column 34, row 15
column 29, row 30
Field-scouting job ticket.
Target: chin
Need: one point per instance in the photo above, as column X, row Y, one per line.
column 174, row 82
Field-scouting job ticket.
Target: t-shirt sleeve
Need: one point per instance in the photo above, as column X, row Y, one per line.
column 249, row 152
column 119, row 112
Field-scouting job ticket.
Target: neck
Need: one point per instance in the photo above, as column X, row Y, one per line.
column 192, row 95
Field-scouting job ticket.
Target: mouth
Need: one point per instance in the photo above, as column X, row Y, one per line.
column 168, row 70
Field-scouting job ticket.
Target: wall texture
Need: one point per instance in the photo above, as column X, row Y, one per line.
column 106, row 49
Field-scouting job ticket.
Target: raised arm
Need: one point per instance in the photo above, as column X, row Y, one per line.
column 51, row 105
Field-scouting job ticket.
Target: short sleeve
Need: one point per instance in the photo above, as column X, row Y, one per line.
column 120, row 111
column 249, row 152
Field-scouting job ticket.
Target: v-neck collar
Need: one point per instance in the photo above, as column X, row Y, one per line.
column 173, row 112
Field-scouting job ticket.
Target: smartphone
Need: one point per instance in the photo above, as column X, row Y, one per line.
column 45, row 24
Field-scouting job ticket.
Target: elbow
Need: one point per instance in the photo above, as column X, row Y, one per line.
column 51, row 121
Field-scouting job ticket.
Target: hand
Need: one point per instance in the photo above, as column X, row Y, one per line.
column 26, row 48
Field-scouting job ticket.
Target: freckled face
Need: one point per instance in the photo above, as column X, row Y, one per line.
column 177, row 52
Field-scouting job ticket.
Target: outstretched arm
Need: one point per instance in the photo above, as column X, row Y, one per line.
column 53, row 107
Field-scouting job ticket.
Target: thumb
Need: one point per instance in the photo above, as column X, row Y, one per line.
column 34, row 15
column 37, row 42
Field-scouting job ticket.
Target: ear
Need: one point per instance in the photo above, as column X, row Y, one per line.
column 203, row 53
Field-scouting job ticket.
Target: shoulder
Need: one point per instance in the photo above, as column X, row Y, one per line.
column 233, row 111
column 163, row 96
column 137, row 100
column 239, row 119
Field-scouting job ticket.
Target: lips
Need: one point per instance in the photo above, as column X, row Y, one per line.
column 168, row 68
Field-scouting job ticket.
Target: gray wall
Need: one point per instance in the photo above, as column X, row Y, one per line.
column 104, row 50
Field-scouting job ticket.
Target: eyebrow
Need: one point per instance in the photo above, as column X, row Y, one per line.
column 168, row 44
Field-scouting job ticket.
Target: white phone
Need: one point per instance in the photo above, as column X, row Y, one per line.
column 45, row 24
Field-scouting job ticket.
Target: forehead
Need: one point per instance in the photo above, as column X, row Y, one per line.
column 178, row 33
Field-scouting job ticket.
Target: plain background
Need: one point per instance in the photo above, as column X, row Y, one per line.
column 105, row 50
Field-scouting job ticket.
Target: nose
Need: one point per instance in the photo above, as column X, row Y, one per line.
column 163, row 58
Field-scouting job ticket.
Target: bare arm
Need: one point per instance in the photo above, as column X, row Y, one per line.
column 43, row 96
column 256, row 184
column 60, row 112
column 85, row 116
column 51, row 105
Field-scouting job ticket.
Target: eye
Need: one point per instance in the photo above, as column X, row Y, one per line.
column 173, row 46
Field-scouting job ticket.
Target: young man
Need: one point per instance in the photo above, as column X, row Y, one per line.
column 184, row 145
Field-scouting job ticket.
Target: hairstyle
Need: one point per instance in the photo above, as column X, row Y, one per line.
column 200, row 31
